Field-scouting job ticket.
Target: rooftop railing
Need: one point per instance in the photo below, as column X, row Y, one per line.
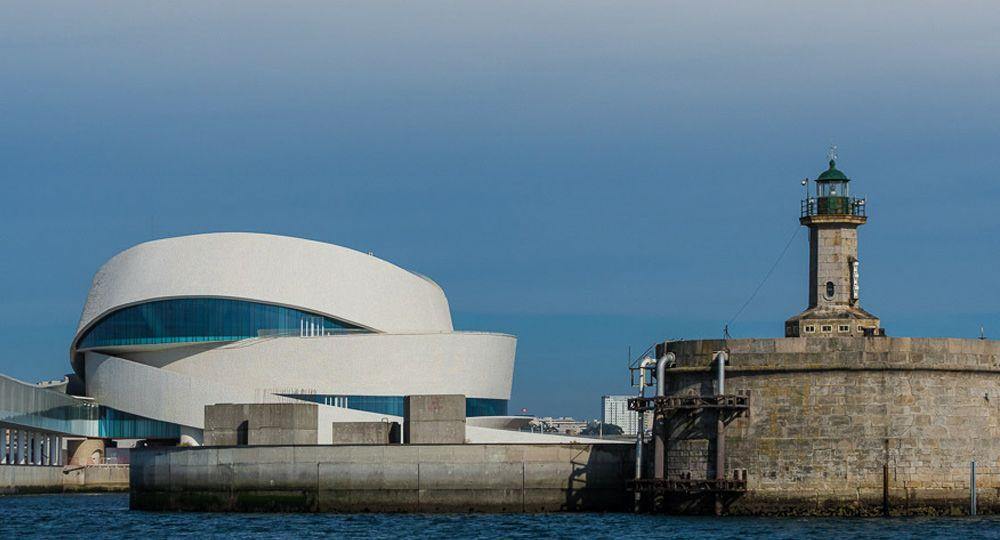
column 843, row 206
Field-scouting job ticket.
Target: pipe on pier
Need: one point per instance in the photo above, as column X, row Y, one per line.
column 659, row 423
column 646, row 363
column 721, row 358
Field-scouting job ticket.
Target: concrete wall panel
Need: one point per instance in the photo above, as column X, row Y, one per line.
column 439, row 478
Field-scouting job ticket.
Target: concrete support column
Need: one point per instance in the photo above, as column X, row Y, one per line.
column 45, row 456
column 3, row 446
column 36, row 449
column 22, row 445
column 57, row 450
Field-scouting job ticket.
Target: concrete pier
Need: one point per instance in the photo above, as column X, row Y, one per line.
column 392, row 478
column 841, row 426
column 22, row 479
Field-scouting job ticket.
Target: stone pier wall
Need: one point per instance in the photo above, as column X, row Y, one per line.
column 826, row 414
column 392, row 478
column 25, row 479
column 17, row 479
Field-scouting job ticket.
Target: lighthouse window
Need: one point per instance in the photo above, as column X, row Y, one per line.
column 829, row 289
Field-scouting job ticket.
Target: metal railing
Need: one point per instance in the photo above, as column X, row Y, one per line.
column 843, row 206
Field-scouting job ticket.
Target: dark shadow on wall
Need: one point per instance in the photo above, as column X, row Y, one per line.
column 600, row 480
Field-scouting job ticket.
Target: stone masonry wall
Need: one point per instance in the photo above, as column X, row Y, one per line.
column 831, row 250
column 827, row 413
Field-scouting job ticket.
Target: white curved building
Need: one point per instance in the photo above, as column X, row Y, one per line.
column 172, row 325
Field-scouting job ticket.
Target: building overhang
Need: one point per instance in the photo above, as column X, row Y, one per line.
column 832, row 219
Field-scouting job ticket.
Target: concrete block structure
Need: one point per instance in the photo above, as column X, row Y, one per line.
column 226, row 424
column 283, row 423
column 434, row 419
column 258, row 424
column 367, row 433
column 393, row 478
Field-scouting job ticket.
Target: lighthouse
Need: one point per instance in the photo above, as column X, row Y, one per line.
column 833, row 216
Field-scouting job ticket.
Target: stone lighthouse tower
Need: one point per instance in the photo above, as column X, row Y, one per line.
column 833, row 217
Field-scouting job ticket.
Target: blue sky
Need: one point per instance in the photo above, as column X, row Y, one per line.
column 586, row 175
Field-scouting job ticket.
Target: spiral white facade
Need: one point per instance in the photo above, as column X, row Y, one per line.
column 323, row 278
column 173, row 325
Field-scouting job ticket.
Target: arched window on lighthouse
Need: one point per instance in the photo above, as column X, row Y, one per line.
column 830, row 289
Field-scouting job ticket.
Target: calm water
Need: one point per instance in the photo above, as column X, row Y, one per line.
column 108, row 516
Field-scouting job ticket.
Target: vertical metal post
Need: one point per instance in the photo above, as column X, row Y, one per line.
column 720, row 459
column 885, row 489
column 972, row 488
column 638, row 458
column 720, row 430
column 660, row 421
column 646, row 364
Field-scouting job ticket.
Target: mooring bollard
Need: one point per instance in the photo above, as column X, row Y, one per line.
column 972, row 488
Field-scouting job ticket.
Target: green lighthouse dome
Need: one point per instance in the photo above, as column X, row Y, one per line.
column 833, row 174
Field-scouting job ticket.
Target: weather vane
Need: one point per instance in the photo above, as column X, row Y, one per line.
column 832, row 154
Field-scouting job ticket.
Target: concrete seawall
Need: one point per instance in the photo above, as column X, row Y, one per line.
column 20, row 479
column 394, row 478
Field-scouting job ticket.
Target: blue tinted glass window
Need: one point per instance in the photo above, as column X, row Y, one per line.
column 182, row 320
column 393, row 405
column 115, row 424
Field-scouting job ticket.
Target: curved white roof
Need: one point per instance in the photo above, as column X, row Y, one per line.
column 312, row 276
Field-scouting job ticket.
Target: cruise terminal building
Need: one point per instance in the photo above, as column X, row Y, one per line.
column 173, row 325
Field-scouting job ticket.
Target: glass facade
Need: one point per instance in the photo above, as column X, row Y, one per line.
column 30, row 406
column 485, row 407
column 393, row 405
column 115, row 424
column 193, row 320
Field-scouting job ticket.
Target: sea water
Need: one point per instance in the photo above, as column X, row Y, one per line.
column 108, row 516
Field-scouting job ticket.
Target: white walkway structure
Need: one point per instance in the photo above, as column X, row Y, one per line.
column 27, row 447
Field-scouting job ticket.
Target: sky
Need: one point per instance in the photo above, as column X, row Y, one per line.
column 590, row 176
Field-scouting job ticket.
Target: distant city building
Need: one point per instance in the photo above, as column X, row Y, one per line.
column 614, row 410
column 564, row 425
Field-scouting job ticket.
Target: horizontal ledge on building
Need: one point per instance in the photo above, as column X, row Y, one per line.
column 815, row 367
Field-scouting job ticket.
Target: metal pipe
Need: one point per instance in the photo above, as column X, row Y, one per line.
column 721, row 358
column 659, row 423
column 661, row 370
column 720, row 428
column 641, row 425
